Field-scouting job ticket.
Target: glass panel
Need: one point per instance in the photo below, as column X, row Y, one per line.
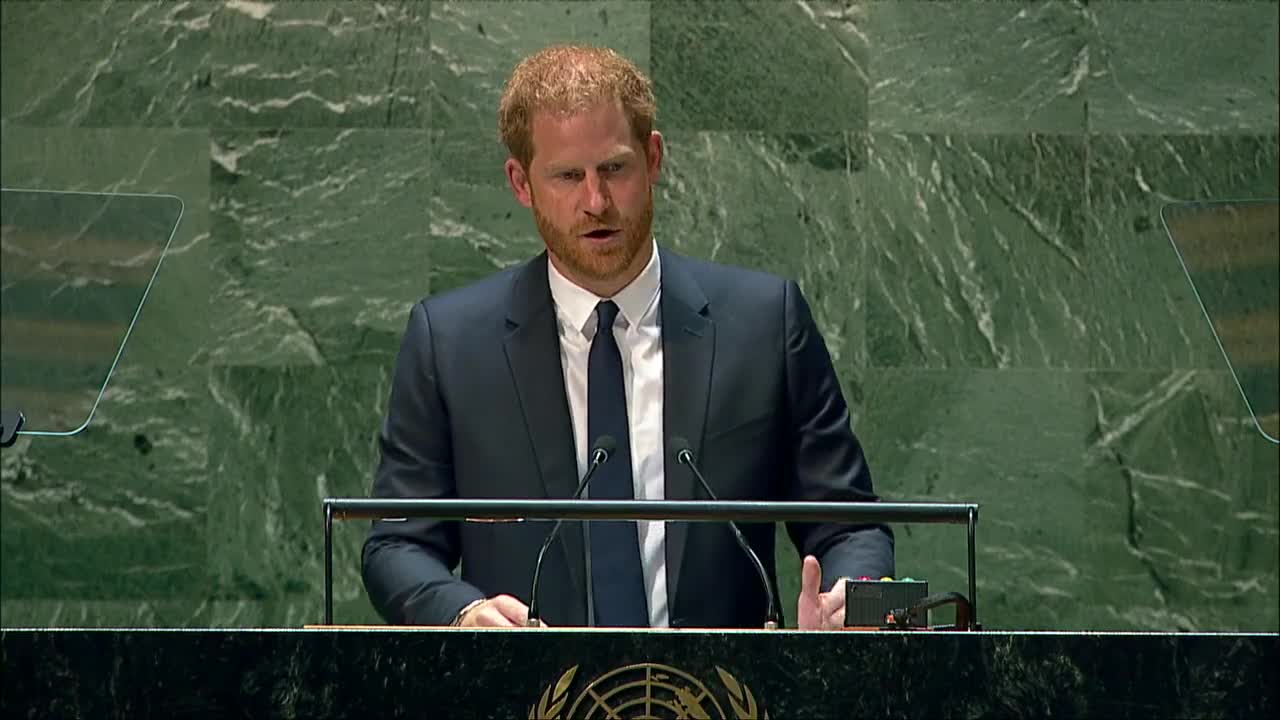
column 75, row 271
column 1231, row 253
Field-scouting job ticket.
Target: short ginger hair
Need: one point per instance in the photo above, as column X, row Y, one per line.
column 565, row 79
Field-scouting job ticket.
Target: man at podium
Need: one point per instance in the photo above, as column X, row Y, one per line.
column 502, row 389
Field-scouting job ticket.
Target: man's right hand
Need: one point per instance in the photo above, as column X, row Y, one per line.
column 498, row 611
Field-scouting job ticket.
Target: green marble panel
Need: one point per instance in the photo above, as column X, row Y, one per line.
column 780, row 203
column 316, row 229
column 349, row 607
column 1011, row 441
column 476, row 45
column 476, row 226
column 1184, row 67
column 321, row 64
column 770, row 66
column 56, row 612
column 1198, row 506
column 115, row 512
column 979, row 67
column 282, row 440
column 977, row 251
column 1032, row 343
column 106, row 64
column 1145, row 314
column 1109, row 500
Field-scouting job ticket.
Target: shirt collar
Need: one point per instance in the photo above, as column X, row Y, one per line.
column 575, row 306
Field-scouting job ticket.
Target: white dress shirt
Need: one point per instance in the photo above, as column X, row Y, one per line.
column 639, row 334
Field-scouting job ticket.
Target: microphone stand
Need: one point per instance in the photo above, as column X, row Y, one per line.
column 685, row 457
column 599, row 455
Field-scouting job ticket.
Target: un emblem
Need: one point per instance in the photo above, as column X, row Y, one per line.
column 647, row 691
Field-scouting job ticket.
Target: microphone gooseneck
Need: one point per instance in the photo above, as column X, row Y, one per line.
column 600, row 454
column 685, row 457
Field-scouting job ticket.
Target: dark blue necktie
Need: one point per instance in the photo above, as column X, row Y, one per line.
column 617, row 582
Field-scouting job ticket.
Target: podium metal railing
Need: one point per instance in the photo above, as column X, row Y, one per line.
column 491, row 510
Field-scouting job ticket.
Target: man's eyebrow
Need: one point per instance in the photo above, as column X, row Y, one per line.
column 556, row 169
column 625, row 154
column 619, row 156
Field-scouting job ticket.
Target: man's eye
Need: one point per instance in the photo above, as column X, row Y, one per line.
column 568, row 175
column 613, row 167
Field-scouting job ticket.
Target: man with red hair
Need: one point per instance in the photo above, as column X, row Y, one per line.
column 502, row 388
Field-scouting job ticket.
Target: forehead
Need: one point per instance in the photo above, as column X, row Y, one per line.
column 593, row 133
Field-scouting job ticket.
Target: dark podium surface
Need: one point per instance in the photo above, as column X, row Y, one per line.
column 446, row 673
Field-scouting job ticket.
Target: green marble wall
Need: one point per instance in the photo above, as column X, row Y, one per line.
column 968, row 192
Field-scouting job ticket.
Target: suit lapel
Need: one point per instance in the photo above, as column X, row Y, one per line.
column 688, row 350
column 533, row 353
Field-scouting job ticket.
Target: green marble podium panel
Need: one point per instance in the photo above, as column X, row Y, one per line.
column 656, row 674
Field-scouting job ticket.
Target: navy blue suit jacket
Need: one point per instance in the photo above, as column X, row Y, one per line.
column 478, row 409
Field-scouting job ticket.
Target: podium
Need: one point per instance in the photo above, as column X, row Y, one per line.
column 569, row 674
column 520, row 510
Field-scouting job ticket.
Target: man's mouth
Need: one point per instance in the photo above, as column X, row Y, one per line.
column 601, row 234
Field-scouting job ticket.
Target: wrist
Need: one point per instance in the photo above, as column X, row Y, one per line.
column 462, row 614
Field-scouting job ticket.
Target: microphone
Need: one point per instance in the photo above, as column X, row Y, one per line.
column 685, row 457
column 600, row 453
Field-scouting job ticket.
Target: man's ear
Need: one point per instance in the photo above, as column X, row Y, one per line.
column 653, row 151
column 518, row 178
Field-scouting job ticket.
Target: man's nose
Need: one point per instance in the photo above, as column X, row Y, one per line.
column 598, row 199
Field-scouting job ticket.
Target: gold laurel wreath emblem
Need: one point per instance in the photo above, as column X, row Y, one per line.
column 554, row 697
column 740, row 697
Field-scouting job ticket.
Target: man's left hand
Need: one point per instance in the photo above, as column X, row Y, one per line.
column 817, row 610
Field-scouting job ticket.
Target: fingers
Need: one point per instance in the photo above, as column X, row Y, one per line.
column 832, row 606
column 809, row 604
column 810, row 579
column 485, row 615
column 834, row 598
column 512, row 609
column 834, row 620
column 500, row 611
